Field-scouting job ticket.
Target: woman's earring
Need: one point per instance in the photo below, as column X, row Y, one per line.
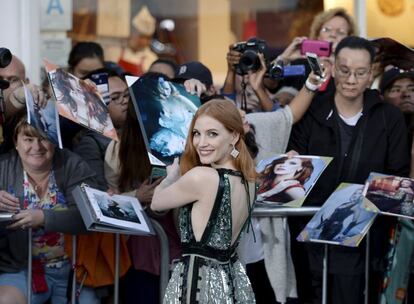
column 234, row 152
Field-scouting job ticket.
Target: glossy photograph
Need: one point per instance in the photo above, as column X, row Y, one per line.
column 390, row 195
column 285, row 181
column 80, row 102
column 45, row 120
column 342, row 220
column 165, row 111
column 117, row 210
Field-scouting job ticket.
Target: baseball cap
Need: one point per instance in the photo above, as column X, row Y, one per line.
column 390, row 76
column 196, row 70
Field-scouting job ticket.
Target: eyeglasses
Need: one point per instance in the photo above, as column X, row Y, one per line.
column 358, row 74
column 118, row 98
column 338, row 32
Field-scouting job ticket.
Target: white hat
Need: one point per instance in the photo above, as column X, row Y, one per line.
column 144, row 22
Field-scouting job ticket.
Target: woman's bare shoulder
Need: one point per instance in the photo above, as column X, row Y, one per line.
column 201, row 175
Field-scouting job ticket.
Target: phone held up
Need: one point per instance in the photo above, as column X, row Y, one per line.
column 315, row 65
column 318, row 47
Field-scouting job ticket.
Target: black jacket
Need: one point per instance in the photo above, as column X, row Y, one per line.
column 379, row 143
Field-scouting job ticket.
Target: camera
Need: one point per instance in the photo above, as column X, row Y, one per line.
column 249, row 60
column 5, row 59
column 318, row 47
column 277, row 70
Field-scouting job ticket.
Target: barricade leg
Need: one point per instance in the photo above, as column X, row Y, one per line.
column 116, row 279
column 367, row 253
column 325, row 276
column 74, row 249
column 29, row 267
column 165, row 258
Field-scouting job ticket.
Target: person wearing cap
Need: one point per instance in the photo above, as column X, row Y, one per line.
column 397, row 87
column 138, row 56
column 197, row 70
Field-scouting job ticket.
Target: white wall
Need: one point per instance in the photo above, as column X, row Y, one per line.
column 20, row 32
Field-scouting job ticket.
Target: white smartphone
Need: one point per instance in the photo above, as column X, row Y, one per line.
column 314, row 64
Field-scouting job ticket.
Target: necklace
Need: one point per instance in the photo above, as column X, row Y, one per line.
column 40, row 185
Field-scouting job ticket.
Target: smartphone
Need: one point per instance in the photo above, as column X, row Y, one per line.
column 318, row 47
column 157, row 172
column 101, row 81
column 314, row 64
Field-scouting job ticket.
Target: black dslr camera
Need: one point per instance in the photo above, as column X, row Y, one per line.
column 249, row 60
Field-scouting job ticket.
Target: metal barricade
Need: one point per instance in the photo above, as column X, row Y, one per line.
column 307, row 211
column 164, row 267
column 165, row 258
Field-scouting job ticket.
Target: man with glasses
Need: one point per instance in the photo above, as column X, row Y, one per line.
column 362, row 134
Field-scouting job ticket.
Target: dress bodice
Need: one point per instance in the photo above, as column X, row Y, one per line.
column 217, row 236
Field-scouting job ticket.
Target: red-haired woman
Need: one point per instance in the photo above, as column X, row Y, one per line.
column 215, row 193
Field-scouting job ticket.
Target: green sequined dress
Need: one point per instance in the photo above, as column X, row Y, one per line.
column 209, row 270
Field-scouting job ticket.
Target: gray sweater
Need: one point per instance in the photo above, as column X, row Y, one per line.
column 70, row 170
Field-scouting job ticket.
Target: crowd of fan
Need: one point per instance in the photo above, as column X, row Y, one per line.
column 362, row 118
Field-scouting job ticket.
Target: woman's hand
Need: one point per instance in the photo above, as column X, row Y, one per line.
column 31, row 218
column 8, row 202
column 292, row 52
column 145, row 191
column 173, row 171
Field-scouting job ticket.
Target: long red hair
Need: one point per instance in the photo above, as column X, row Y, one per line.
column 227, row 114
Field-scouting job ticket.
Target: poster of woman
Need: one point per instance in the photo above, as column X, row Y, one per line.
column 285, row 181
column 390, row 195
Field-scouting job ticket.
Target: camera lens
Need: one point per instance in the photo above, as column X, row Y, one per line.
column 5, row 57
column 276, row 70
column 249, row 61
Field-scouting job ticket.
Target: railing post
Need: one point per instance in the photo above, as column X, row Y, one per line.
column 116, row 279
column 325, row 275
column 367, row 253
column 74, row 250
column 165, row 258
column 29, row 267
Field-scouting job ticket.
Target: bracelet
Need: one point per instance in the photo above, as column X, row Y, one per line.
column 310, row 86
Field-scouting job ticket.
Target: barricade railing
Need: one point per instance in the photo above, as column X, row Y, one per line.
column 307, row 211
column 164, row 266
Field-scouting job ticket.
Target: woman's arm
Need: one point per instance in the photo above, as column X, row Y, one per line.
column 173, row 193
